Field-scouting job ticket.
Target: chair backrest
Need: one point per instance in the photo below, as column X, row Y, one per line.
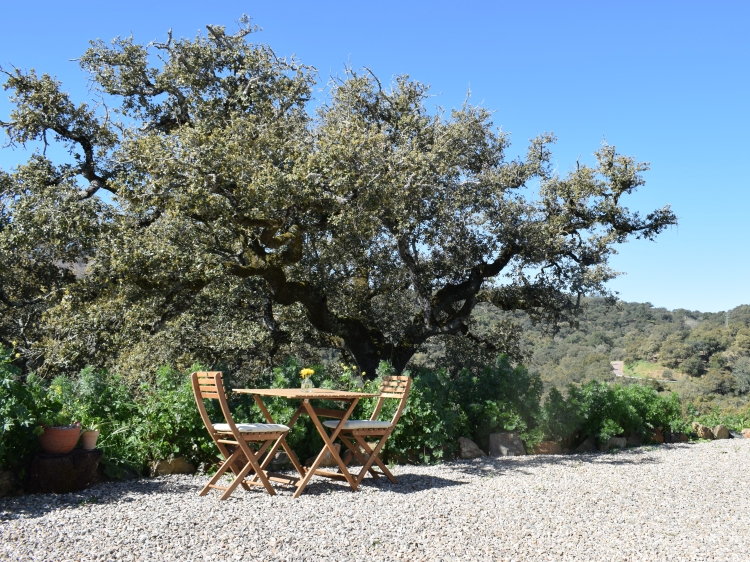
column 394, row 386
column 209, row 384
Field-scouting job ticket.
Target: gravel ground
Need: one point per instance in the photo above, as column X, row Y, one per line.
column 673, row 502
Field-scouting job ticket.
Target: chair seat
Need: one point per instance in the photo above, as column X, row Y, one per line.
column 251, row 427
column 358, row 424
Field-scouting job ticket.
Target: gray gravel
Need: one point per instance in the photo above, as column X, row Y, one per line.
column 673, row 502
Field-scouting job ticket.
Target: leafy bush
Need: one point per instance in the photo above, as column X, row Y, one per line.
column 499, row 398
column 158, row 419
column 601, row 410
column 736, row 419
column 20, row 411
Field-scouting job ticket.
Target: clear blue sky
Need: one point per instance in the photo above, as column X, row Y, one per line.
column 666, row 82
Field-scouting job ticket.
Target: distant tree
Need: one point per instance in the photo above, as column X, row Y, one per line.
column 741, row 372
column 239, row 223
column 692, row 366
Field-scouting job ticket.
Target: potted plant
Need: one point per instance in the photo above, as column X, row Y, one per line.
column 59, row 434
column 89, row 436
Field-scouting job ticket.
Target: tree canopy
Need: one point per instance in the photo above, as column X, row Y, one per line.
column 213, row 214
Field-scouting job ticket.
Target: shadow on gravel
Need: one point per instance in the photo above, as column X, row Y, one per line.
column 37, row 505
column 409, row 483
column 489, row 466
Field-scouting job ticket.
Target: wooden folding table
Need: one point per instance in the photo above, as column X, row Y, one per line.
column 307, row 408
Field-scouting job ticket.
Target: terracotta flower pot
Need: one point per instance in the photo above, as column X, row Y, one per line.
column 88, row 439
column 60, row 440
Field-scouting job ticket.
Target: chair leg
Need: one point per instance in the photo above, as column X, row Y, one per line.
column 374, row 458
column 354, row 452
column 239, row 479
column 226, row 465
column 253, row 462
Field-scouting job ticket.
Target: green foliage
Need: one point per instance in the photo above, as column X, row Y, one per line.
column 19, row 413
column 602, row 410
column 692, row 365
column 499, row 398
column 741, row 372
column 735, row 419
column 165, row 423
column 138, row 425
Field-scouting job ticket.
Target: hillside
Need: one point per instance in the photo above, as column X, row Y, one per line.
column 707, row 355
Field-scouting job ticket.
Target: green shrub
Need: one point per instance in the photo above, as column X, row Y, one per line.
column 499, row 398
column 736, row 419
column 601, row 410
column 158, row 419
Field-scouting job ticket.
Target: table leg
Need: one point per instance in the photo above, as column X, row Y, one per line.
column 281, row 441
column 328, row 446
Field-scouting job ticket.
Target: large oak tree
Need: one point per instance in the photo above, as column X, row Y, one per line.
column 240, row 222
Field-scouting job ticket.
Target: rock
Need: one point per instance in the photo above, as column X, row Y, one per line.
column 588, row 446
column 182, row 466
column 176, row 466
column 614, row 443
column 677, row 438
column 355, row 461
column 467, row 449
column 634, row 440
column 280, row 459
column 655, row 436
column 161, row 468
column 7, row 483
column 702, row 431
column 62, row 473
column 547, row 448
column 506, row 444
column 721, row 432
column 746, row 433
column 327, row 458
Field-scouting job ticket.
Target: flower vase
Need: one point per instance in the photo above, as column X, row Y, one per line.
column 307, row 384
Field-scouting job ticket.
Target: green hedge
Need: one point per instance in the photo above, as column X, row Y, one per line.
column 600, row 410
column 159, row 419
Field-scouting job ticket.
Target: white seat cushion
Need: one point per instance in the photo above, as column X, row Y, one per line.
column 358, row 424
column 251, row 427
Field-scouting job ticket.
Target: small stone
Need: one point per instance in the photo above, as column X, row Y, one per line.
column 280, row 459
column 181, row 466
column 655, row 436
column 161, row 468
column 547, row 448
column 506, row 444
column 588, row 446
column 467, row 449
column 702, row 431
column 614, row 443
column 678, row 437
column 721, row 432
column 634, row 440
column 746, row 433
column 328, row 460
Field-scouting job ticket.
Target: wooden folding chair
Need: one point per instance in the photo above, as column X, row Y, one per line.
column 354, row 432
column 210, row 385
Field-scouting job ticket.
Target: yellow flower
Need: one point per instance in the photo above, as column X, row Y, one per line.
column 304, row 373
column 363, row 373
column 18, row 355
column 15, row 343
